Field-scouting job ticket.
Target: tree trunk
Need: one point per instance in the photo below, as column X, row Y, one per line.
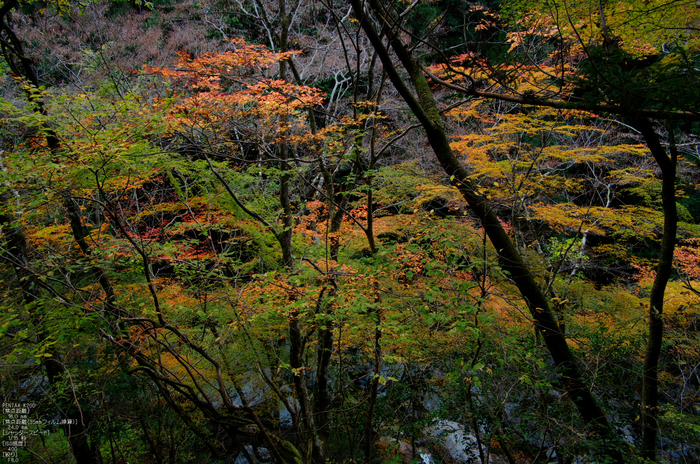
column 322, row 398
column 650, row 378
column 75, row 216
column 296, row 351
column 374, row 388
column 285, row 201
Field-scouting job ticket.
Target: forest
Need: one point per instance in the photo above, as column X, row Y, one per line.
column 314, row 231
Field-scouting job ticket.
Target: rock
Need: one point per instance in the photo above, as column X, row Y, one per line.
column 263, row 452
column 285, row 416
column 457, row 445
column 627, row 434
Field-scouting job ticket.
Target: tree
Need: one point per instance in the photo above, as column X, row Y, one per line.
column 645, row 76
column 276, row 109
column 422, row 102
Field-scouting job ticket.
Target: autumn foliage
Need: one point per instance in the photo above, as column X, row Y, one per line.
column 250, row 252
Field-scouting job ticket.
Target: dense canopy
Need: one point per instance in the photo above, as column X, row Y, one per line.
column 333, row 232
